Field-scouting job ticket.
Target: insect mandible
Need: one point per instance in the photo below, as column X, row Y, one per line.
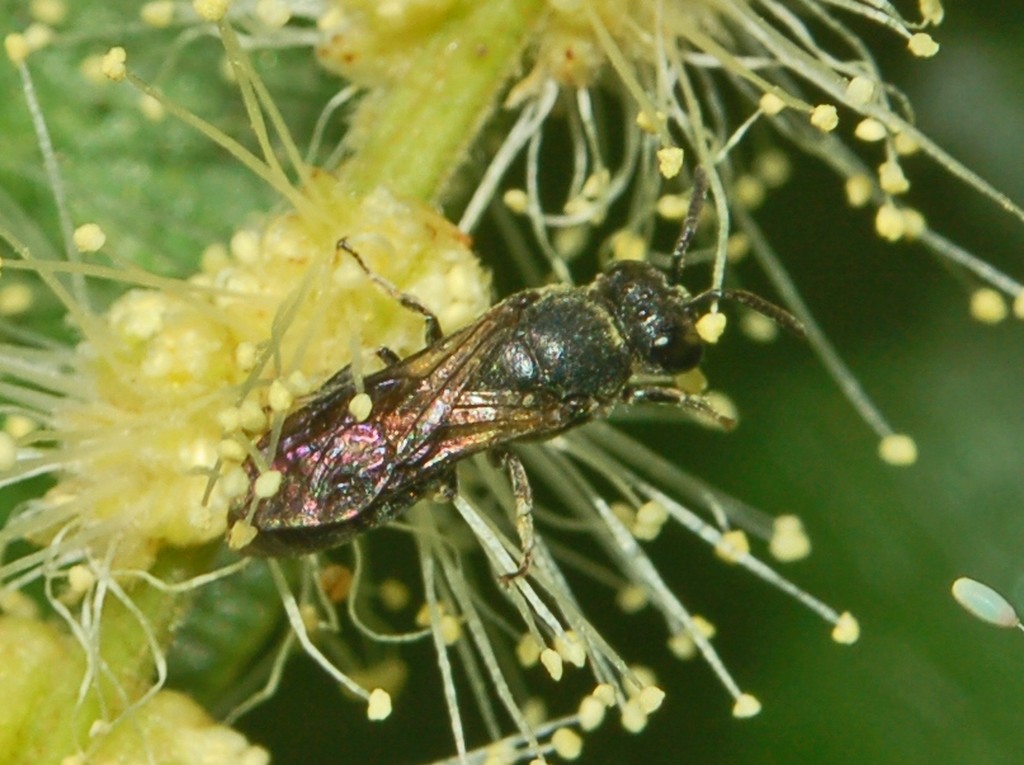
column 536, row 364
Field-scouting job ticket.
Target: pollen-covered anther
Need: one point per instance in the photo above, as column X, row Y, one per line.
column 393, row 594
column 710, row 327
column 771, row 104
column 211, row 10
column 1018, row 305
column 988, row 306
column 229, row 449
column 703, row 626
column 245, row 356
column 628, row 245
column 649, row 519
column 450, row 628
column 631, row 598
column 230, row 419
column 733, row 546
column 891, row 178
column 692, row 381
column 773, row 168
column 633, row 717
column 591, row 712
column 234, row 483
column 113, row 64
column 746, row 705
column 825, row 117
column 528, row 650
column 360, row 407
column 516, row 200
column 898, row 449
column 846, row 630
column 859, row 189
column 567, row 743
column 241, row 534
column 80, row 579
column 16, row 47
column 279, row 396
column 245, row 247
column 859, row 91
column 670, row 161
column 749, row 191
column 267, row 484
column 758, row 328
column 905, row 144
column 914, row 223
column 379, row 705
column 651, row 698
column 49, row 11
column 151, row 108
column 932, row 11
column 672, row 206
column 273, row 14
column 89, row 238
column 571, row 648
column 870, row 130
column 16, row 603
column 789, row 540
column 650, row 122
column 922, row 45
column 158, row 14
column 889, row 223
column 682, row 645
column 251, row 416
column 552, row 662
column 15, row 299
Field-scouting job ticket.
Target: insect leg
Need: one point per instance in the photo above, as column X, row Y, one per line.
column 524, row 513
column 433, row 328
column 699, row 404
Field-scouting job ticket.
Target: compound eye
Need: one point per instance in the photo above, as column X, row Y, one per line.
column 677, row 348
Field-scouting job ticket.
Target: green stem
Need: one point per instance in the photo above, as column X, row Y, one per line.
column 414, row 135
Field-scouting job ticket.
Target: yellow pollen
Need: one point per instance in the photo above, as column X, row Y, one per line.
column 268, row 484
column 860, row 90
column 645, row 122
column 892, row 179
column 230, row 449
column 273, row 14
column 528, row 650
column 898, row 449
column 571, row 648
column 48, row 11
column 1018, row 305
column 151, row 108
column 567, row 743
column 710, row 327
column 988, row 306
column 771, row 104
column 552, row 663
column 914, row 222
column 158, row 14
column 15, row 299
column 789, row 541
column 450, row 628
column 89, row 237
column 16, row 47
column 591, row 712
column 379, row 706
column 360, row 407
column 251, row 417
column 889, row 223
column 113, row 64
column 733, row 546
column 847, row 630
column 922, row 45
column 858, row 190
column 932, row 11
column 516, row 200
column 211, row 10
column 631, row 598
column 279, row 397
column 905, row 144
column 670, row 161
column 672, row 206
column 628, row 245
column 242, row 533
column 80, row 578
column 825, row 117
column 750, row 191
column 746, row 705
column 393, row 594
column 870, row 130
column 633, row 718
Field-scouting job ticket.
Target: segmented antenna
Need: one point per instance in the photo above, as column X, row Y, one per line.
column 700, row 192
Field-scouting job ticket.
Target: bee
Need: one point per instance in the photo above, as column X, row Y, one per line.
column 539, row 363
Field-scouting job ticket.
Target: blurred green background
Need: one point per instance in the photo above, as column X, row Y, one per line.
column 926, row 683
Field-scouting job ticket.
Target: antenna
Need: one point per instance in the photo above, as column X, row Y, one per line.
column 700, row 192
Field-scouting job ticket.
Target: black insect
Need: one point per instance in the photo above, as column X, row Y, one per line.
column 538, row 363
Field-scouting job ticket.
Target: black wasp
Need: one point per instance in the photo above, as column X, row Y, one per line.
column 538, row 363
